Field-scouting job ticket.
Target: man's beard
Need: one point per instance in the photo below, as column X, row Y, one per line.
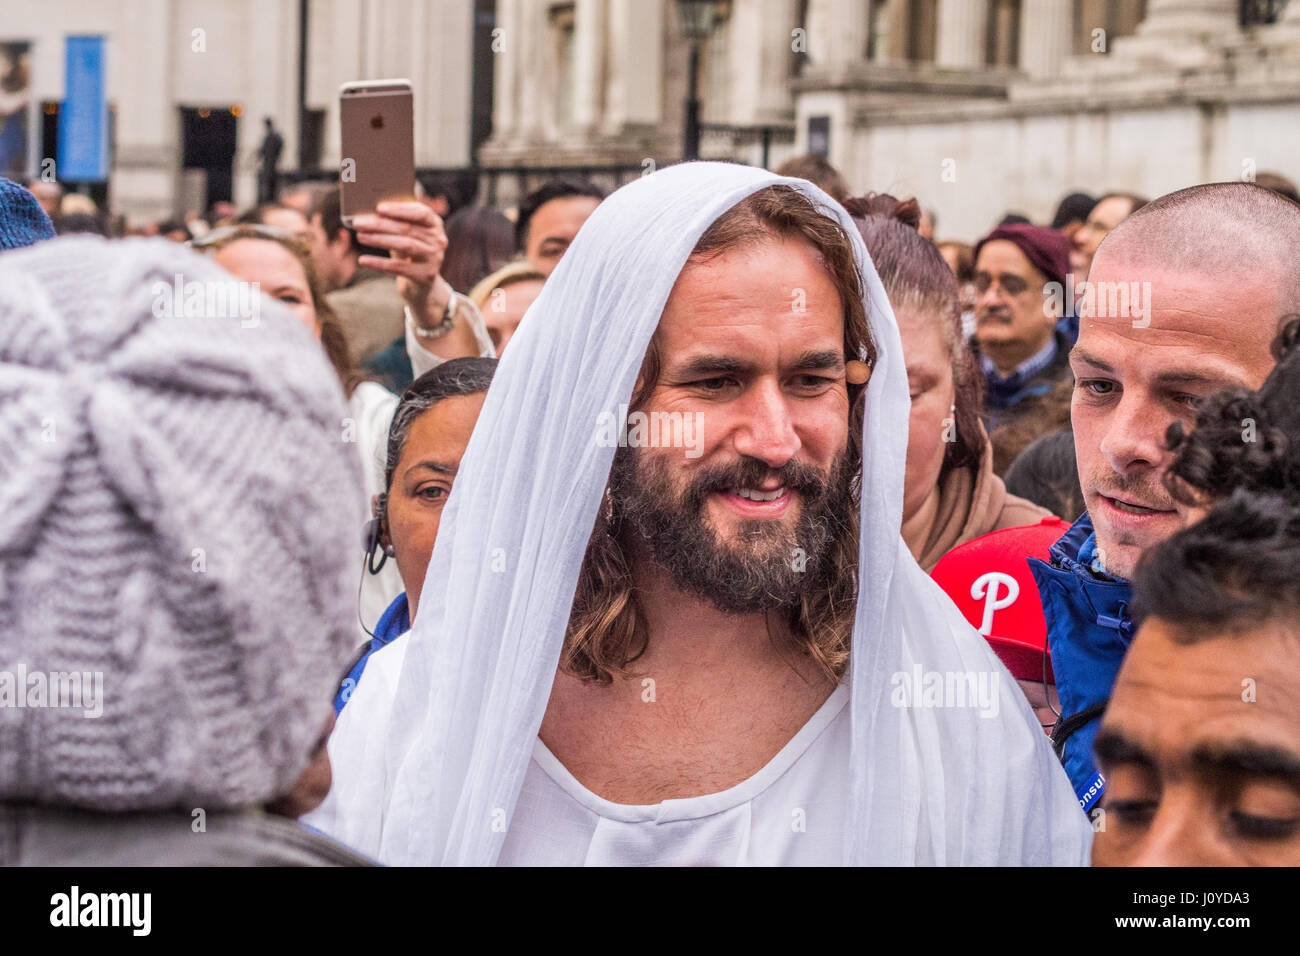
column 767, row 564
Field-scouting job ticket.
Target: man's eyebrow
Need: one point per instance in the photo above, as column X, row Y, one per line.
column 1200, row 377
column 711, row 365
column 829, row 359
column 1211, row 377
column 1111, row 746
column 1085, row 356
column 1248, row 758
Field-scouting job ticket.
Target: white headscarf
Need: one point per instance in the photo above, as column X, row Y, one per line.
column 428, row 768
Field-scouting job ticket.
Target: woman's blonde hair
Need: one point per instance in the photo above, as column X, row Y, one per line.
column 520, row 270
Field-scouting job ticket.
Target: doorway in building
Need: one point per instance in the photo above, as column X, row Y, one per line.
column 208, row 144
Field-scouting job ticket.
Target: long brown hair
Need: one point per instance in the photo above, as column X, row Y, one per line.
column 607, row 630
column 332, row 337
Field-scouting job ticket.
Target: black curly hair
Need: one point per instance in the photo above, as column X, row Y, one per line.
column 1233, row 570
column 1244, row 439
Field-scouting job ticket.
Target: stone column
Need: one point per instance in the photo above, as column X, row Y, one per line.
column 589, row 38
column 537, row 65
column 636, row 71
column 1189, row 17
column 505, row 55
column 1046, row 29
column 846, row 39
column 961, row 31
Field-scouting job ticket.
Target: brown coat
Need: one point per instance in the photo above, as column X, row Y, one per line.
column 972, row 502
column 371, row 311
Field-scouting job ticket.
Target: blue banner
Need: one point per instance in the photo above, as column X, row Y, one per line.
column 83, row 119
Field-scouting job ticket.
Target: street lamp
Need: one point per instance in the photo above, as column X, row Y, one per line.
column 696, row 19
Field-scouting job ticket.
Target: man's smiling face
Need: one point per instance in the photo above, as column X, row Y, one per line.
column 751, row 346
column 1207, row 331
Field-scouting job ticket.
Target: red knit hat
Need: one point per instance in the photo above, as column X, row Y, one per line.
column 1046, row 249
column 990, row 582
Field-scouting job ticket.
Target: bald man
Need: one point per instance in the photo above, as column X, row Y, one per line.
column 1184, row 299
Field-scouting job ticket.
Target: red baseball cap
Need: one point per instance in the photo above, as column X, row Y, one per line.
column 989, row 580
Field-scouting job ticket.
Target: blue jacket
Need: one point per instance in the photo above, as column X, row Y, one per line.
column 1089, row 630
column 393, row 623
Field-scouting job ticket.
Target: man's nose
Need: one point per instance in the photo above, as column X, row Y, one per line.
column 1135, row 435
column 990, row 298
column 1179, row 835
column 767, row 430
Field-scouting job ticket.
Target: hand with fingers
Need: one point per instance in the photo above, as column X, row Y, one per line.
column 416, row 242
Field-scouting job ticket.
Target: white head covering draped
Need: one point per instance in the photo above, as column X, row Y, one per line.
column 428, row 771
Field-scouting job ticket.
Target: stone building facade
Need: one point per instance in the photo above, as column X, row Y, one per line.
column 239, row 59
column 978, row 107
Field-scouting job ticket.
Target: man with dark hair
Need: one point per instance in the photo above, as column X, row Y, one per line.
column 384, row 282
column 550, row 216
column 1161, row 330
column 1072, row 213
column 1200, row 746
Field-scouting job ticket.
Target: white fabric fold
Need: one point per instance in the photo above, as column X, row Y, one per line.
column 429, row 773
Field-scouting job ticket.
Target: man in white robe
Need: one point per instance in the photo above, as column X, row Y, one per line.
column 741, row 663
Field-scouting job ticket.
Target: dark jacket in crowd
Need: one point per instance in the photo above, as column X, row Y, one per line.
column 1003, row 397
column 1019, row 410
column 1089, row 631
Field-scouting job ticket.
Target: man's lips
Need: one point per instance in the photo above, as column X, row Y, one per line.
column 1135, row 509
column 776, row 504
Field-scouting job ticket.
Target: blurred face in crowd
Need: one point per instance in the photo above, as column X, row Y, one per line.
column 1043, row 699
column 422, row 481
column 288, row 220
column 330, row 254
column 1011, row 322
column 930, row 381
column 278, row 273
column 1133, row 381
column 505, row 306
column 767, row 386
column 1202, row 766
column 1105, row 216
column 49, row 195
column 553, row 227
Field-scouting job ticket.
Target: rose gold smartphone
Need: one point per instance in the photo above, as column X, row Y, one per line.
column 377, row 161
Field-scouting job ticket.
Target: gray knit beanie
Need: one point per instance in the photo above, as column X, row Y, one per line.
column 178, row 520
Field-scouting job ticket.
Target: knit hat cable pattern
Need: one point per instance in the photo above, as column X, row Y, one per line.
column 178, row 513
